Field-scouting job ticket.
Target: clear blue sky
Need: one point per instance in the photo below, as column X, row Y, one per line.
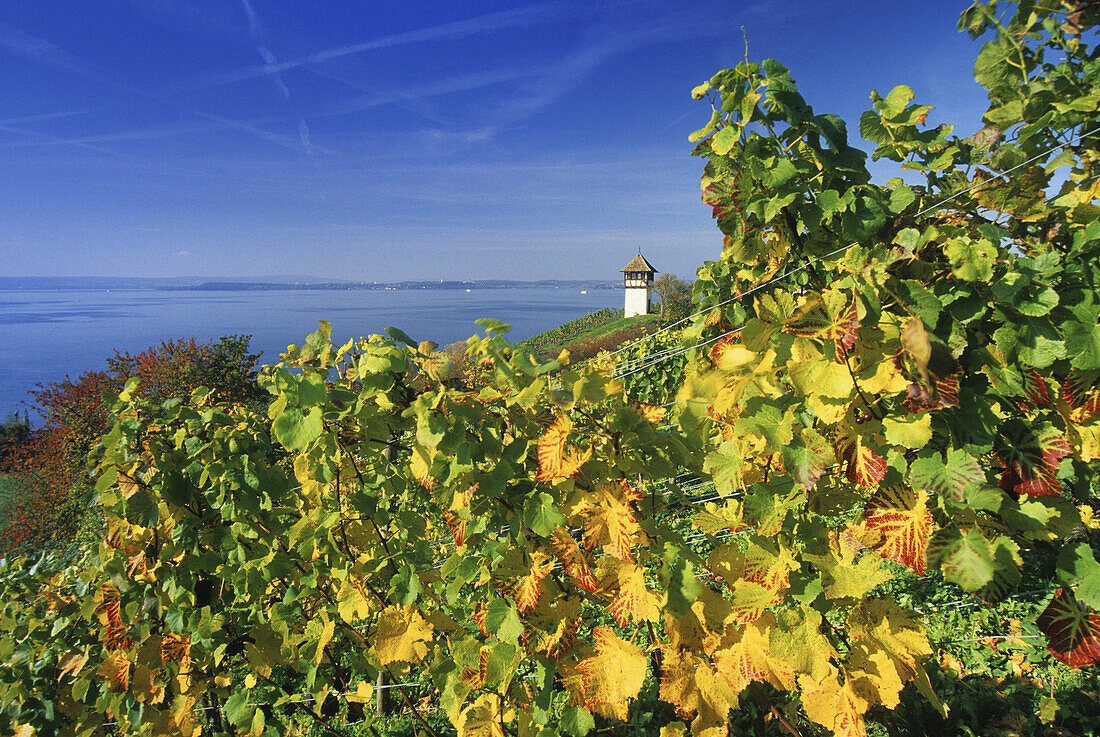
column 374, row 140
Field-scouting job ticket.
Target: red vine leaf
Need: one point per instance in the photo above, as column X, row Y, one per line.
column 1072, row 630
column 1030, row 457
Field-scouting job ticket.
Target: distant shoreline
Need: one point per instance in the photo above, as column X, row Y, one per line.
column 391, row 286
column 15, row 283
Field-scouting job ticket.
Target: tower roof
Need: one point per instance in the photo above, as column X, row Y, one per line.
column 638, row 263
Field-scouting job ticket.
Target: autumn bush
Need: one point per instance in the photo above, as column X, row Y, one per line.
column 48, row 465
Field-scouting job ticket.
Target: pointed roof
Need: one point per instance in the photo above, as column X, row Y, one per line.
column 638, row 263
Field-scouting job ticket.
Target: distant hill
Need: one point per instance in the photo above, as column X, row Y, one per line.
column 272, row 283
column 140, row 282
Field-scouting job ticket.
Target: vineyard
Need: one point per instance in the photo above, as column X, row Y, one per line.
column 590, row 334
column 855, row 492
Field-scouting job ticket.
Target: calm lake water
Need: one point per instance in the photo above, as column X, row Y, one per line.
column 48, row 334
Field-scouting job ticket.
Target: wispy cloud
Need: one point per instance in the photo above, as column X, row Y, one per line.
column 452, row 85
column 301, row 142
column 42, row 139
column 42, row 117
column 22, row 44
column 303, row 134
column 491, row 22
column 271, row 63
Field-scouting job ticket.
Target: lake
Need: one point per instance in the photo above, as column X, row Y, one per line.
column 46, row 334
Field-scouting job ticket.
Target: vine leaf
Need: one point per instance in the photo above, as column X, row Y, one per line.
column 554, row 461
column 402, row 634
column 115, row 671
column 606, row 681
column 862, row 465
column 1077, row 566
column 1081, row 392
column 833, row 703
column 952, row 478
column 1030, row 457
column 749, row 658
column 483, row 718
column 72, row 663
column 608, row 519
column 632, row 601
column 1072, row 630
column 901, row 524
column 964, row 556
column 807, row 458
column 573, row 560
column 530, row 586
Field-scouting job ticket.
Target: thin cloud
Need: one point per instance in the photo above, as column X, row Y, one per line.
column 296, row 143
column 463, row 83
column 42, row 116
column 491, row 22
column 271, row 63
column 19, row 43
column 141, row 135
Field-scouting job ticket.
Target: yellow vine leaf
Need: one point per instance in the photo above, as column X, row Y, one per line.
column 631, row 601
column 757, row 564
column 834, row 704
column 605, row 682
column 573, row 560
column 697, row 691
column 750, row 600
column 530, row 586
column 401, row 635
column 902, row 524
column 845, row 572
column 180, row 721
column 108, row 609
column 456, row 524
column 483, row 718
column 554, row 461
column 351, row 601
column 554, row 625
column 898, row 633
column 862, row 465
column 72, row 663
column 115, row 671
column 749, row 658
column 144, row 686
column 608, row 520
column 875, row 675
column 363, row 693
column 797, row 641
column 712, row 518
column 653, row 413
column 883, row 378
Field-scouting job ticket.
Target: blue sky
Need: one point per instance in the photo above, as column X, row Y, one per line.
column 365, row 140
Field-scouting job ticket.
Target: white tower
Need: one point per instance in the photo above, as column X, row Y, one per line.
column 638, row 281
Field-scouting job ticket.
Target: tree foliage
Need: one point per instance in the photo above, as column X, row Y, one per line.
column 883, row 376
column 675, row 296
